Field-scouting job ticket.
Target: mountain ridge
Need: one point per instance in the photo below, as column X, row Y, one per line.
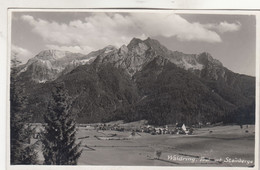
column 145, row 80
column 129, row 57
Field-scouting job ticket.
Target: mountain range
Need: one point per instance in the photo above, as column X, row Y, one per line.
column 143, row 80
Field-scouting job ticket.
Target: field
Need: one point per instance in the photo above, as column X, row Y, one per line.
column 211, row 146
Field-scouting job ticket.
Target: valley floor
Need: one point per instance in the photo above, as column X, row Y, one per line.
column 228, row 146
column 223, row 146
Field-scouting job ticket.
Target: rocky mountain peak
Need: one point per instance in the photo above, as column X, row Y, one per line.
column 153, row 43
column 50, row 64
column 157, row 47
column 123, row 50
column 51, row 54
column 133, row 43
column 108, row 49
column 205, row 59
column 149, row 43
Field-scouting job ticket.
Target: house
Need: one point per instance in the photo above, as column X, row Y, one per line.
column 165, row 131
column 170, row 128
column 180, row 128
column 158, row 131
column 146, row 128
column 88, row 127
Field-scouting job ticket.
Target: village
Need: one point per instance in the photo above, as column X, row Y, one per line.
column 178, row 128
column 134, row 128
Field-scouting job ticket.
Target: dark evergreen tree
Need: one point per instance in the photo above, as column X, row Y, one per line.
column 59, row 147
column 22, row 152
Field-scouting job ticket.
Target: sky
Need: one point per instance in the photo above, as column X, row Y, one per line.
column 228, row 38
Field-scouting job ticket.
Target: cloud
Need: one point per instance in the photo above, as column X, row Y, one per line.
column 101, row 29
column 22, row 54
column 223, row 27
column 169, row 25
column 95, row 31
column 28, row 18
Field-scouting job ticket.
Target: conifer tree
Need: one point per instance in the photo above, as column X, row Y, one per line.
column 20, row 131
column 58, row 141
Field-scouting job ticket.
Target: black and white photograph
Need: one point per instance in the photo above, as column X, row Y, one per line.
column 132, row 88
